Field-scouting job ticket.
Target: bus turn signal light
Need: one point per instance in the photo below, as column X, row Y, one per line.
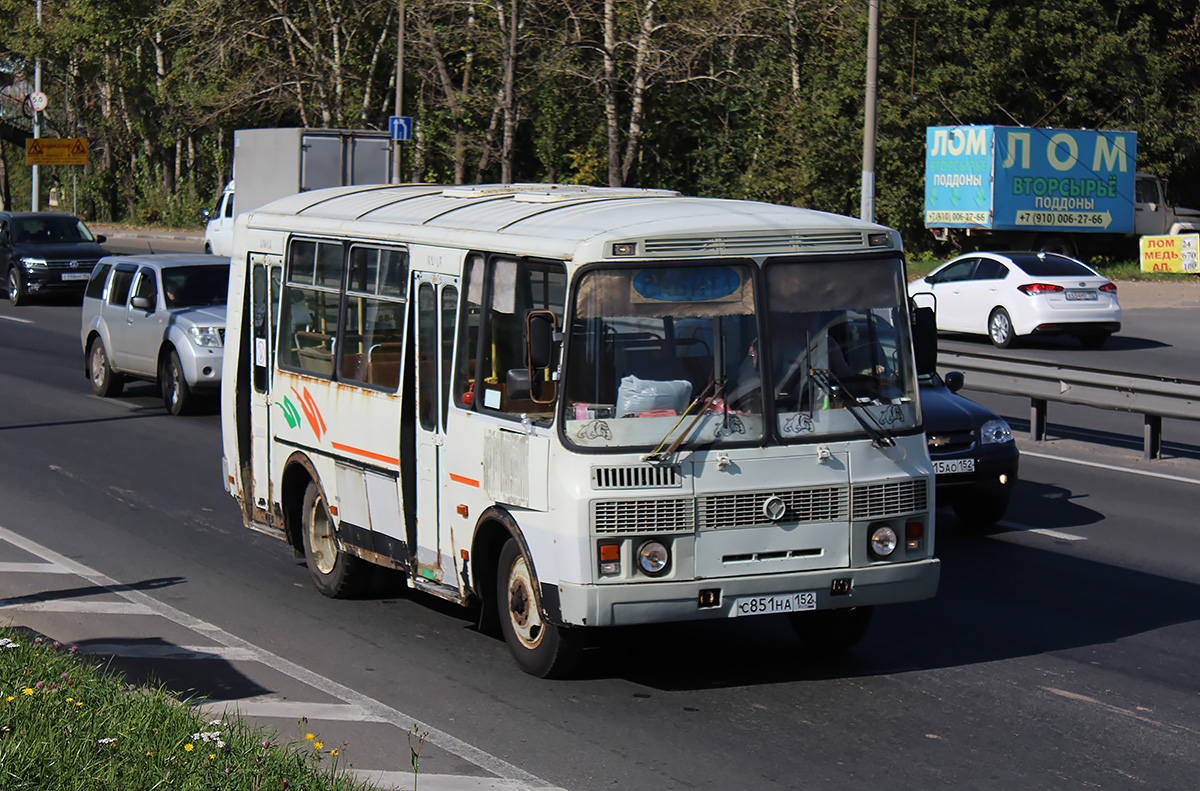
column 914, row 534
column 610, row 558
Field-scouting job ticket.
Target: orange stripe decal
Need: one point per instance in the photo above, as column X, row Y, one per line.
column 463, row 479
column 366, row 454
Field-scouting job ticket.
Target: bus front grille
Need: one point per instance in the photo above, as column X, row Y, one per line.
column 748, row 509
column 886, row 499
column 667, row 515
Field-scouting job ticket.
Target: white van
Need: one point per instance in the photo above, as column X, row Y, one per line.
column 218, row 232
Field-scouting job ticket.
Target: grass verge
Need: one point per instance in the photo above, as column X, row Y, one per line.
column 67, row 725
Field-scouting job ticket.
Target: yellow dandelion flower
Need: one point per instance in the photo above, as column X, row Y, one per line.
column 79, row 703
column 189, row 747
column 70, row 700
column 317, row 745
column 27, row 691
column 308, row 736
column 9, row 699
column 212, row 756
column 334, row 752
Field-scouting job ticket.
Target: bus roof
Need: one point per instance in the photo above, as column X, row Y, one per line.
column 569, row 222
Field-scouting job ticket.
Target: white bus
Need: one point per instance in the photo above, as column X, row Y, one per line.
column 579, row 407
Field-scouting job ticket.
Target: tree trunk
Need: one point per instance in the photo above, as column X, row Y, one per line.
column 637, row 109
column 510, row 104
column 610, row 93
column 451, row 94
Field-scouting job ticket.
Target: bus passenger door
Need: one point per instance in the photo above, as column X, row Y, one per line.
column 266, row 273
column 436, row 301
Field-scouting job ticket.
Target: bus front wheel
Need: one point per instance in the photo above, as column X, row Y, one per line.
column 334, row 573
column 540, row 649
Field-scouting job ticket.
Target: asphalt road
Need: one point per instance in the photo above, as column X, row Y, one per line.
column 1062, row 651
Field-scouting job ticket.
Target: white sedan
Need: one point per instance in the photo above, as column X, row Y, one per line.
column 1007, row 295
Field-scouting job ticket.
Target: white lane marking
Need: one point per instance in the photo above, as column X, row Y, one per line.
column 130, row 406
column 436, row 737
column 402, row 780
column 17, row 320
column 84, row 607
column 1045, row 531
column 1015, row 527
column 292, row 710
column 32, row 568
column 1137, row 715
column 1115, row 468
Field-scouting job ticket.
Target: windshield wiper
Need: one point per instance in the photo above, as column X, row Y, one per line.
column 880, row 437
column 658, row 454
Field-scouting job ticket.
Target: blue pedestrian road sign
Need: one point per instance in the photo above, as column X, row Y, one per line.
column 401, row 127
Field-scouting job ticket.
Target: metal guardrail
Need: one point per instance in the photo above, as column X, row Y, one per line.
column 1153, row 397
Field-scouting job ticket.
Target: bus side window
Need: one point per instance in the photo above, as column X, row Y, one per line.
column 310, row 308
column 373, row 337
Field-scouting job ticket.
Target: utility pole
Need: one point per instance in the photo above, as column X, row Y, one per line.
column 35, row 179
column 867, row 207
column 397, row 145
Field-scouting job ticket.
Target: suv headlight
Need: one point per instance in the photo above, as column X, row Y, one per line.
column 30, row 263
column 995, row 431
column 209, row 337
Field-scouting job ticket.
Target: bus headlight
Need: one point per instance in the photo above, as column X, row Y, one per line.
column 883, row 541
column 653, row 558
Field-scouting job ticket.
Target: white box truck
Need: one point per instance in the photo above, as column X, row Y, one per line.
column 273, row 163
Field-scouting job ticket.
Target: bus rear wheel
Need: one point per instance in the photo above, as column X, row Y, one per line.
column 334, row 573
column 832, row 631
column 540, row 649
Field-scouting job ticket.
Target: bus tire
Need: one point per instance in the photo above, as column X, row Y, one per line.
column 831, row 631
column 334, row 573
column 540, row 649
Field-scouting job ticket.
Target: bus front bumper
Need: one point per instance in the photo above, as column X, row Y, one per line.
column 661, row 602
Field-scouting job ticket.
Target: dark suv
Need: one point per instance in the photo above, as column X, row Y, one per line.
column 46, row 253
column 974, row 456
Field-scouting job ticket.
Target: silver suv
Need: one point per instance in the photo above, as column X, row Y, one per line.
column 156, row 317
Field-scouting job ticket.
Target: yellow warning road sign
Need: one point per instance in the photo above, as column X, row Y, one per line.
column 56, row 151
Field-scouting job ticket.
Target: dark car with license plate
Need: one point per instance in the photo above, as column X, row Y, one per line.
column 46, row 253
column 974, row 456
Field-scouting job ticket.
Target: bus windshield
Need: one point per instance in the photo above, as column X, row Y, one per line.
column 679, row 357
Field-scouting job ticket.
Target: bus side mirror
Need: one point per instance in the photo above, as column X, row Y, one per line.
column 539, row 338
column 527, row 384
column 925, row 340
column 955, row 381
